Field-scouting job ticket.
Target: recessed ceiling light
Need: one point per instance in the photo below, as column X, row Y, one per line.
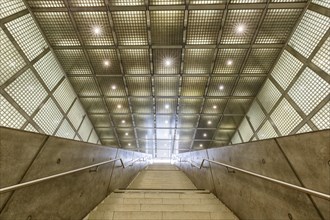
column 201, row 145
column 229, row 62
column 167, row 106
column 126, row 134
column 113, row 87
column 97, row 30
column 123, row 121
column 214, row 106
column 221, row 87
column 204, row 134
column 240, row 29
column 209, row 122
column 166, row 122
column 168, row 62
column 129, row 144
column 106, row 63
column 118, row 106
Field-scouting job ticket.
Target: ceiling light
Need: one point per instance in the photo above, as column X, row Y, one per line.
column 123, row 121
column 118, row 106
column 214, row 106
column 221, row 87
column 113, row 87
column 166, row 122
column 168, row 62
column 129, row 144
column 106, row 63
column 201, row 145
column 204, row 135
column 167, row 106
column 126, row 134
column 229, row 62
column 209, row 122
column 240, row 29
column 97, row 30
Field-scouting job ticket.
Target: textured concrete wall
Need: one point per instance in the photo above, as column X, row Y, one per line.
column 301, row 159
column 26, row 156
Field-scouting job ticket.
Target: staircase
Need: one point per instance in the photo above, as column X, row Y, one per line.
column 161, row 192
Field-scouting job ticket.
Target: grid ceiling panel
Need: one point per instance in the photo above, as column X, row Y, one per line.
column 245, row 130
column 27, row 35
column 229, row 61
column 58, row 28
column 46, row 3
column 223, row 134
column 117, row 105
column 112, row 86
column 64, row 90
column 309, row 90
column 142, row 105
column 122, row 121
column 88, row 22
column 321, row 118
column 236, row 138
column 11, row 60
column 88, row 3
column 145, row 121
column 321, row 59
column 130, row 27
column 166, row 61
column 323, row 3
column 145, row 133
column 165, row 135
column 125, row 133
column 128, row 144
column 309, row 32
column 139, row 86
column 211, row 2
column 256, row 115
column 168, row 2
column 185, row 134
column 260, row 61
column 221, row 86
column 73, row 61
column 267, row 131
column 166, row 105
column 238, row 106
column 166, row 86
column 189, row 105
column 304, row 129
column 84, row 86
column 46, row 123
column 104, row 61
column 280, row 73
column 246, row 19
column 230, row 122
column 277, row 25
column 27, row 92
column 198, row 61
column 93, row 105
column 9, row 116
column 166, row 27
column 76, row 114
column 135, row 61
column 204, row 134
column 101, row 121
column 187, row 121
column 93, row 138
column 110, row 142
column 269, row 95
column 65, row 130
column 85, row 129
column 209, row 121
column 9, row 7
column 193, row 86
column 165, row 121
column 126, row 2
column 214, row 106
column 203, row 26
column 248, row 86
column 49, row 70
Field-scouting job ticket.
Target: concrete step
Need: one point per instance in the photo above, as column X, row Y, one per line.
column 161, row 205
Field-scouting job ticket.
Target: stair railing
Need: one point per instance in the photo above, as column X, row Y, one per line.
column 289, row 185
column 96, row 166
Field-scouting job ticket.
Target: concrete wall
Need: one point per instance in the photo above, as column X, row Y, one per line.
column 301, row 159
column 26, row 156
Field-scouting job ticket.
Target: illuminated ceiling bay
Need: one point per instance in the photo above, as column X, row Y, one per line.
column 167, row 76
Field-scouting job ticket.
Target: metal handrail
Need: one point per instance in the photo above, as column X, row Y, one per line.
column 289, row 185
column 32, row 182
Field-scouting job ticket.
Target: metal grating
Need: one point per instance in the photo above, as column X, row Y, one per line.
column 9, row 116
column 283, row 113
column 223, row 135
column 245, row 130
column 104, row 61
column 27, row 36
column 166, row 86
column 118, row 105
column 166, row 105
column 203, row 26
column 322, row 118
column 105, row 133
column 49, row 70
column 269, row 95
column 323, row 3
column 84, row 86
column 89, row 3
column 280, row 73
column 126, row 2
column 309, row 32
column 11, row 61
column 187, row 121
column 139, row 86
column 73, row 61
column 9, row 7
column 27, row 92
column 130, row 27
column 64, row 90
column 166, row 61
column 209, row 121
column 144, row 121
column 46, row 3
column 198, row 61
column 113, row 86
column 135, row 61
column 256, row 115
column 267, row 131
column 238, row 106
column 193, row 86
column 93, row 105
column 236, row 138
column 309, row 90
column 85, row 129
column 260, row 61
column 322, row 57
column 46, row 123
column 214, row 106
column 142, row 105
column 65, row 130
column 185, row 134
column 189, row 105
column 304, row 129
column 221, row 86
column 229, row 61
column 30, row 128
column 248, row 86
column 93, row 138
column 100, row 120
column 76, row 114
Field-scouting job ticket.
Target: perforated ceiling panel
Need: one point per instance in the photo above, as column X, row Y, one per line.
column 162, row 76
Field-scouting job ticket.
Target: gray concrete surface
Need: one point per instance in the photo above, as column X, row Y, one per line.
column 27, row 156
column 299, row 159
